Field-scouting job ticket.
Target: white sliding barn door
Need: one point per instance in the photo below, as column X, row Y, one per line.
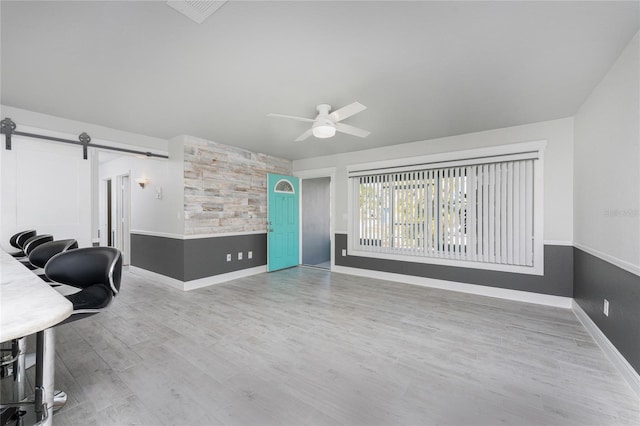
column 46, row 186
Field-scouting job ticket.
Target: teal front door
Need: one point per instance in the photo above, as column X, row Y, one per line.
column 283, row 239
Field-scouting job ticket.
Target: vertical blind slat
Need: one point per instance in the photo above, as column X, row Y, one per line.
column 370, row 203
column 447, row 212
column 456, row 213
column 529, row 217
column 416, row 213
column 437, row 213
column 498, row 213
column 516, row 213
column 374, row 213
column 363, row 210
column 471, row 212
column 479, row 214
column 388, row 213
column 510, row 214
column 491, row 211
column 420, row 207
column 460, row 213
column 485, row 212
column 503, row 212
column 523, row 220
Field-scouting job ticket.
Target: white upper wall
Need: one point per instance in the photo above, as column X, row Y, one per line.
column 148, row 213
column 558, row 162
column 607, row 164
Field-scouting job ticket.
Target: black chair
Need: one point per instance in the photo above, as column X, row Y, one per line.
column 30, row 244
column 17, row 241
column 35, row 241
column 95, row 271
column 40, row 255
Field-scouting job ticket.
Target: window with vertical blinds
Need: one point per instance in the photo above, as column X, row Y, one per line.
column 481, row 212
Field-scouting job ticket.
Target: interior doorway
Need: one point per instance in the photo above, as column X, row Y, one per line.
column 115, row 214
column 316, row 222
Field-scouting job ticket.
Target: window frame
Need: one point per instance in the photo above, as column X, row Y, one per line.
column 470, row 156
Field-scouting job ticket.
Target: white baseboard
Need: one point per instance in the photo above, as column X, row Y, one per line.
column 199, row 283
column 163, row 279
column 500, row 293
column 218, row 279
column 622, row 365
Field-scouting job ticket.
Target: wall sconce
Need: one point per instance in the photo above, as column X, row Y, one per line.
column 142, row 182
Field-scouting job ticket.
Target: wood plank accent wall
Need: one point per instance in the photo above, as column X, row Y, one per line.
column 225, row 188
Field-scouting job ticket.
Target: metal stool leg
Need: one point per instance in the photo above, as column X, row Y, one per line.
column 23, row 361
column 59, row 399
column 43, row 403
column 19, row 368
column 45, row 352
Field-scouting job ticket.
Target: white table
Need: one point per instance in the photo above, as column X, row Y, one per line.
column 28, row 305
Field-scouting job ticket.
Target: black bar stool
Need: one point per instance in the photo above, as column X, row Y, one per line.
column 40, row 255
column 17, row 241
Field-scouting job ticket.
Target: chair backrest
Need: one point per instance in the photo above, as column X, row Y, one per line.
column 40, row 255
column 18, row 239
column 87, row 266
column 34, row 242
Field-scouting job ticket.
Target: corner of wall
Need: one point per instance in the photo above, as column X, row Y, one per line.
column 606, row 204
column 175, row 171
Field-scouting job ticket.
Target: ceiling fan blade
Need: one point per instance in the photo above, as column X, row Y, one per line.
column 347, row 111
column 351, row 130
column 310, row 120
column 304, row 135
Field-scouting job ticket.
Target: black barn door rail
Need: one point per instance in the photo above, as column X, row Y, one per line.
column 8, row 128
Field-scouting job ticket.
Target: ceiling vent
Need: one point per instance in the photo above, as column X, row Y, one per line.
column 197, row 11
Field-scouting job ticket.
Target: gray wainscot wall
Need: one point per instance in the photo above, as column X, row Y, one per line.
column 596, row 279
column 557, row 279
column 196, row 258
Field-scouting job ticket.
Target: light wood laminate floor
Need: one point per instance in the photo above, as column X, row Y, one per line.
column 310, row 347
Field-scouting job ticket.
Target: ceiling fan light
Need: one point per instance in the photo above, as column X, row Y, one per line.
column 324, row 131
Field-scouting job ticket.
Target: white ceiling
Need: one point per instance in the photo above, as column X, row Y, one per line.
column 423, row 69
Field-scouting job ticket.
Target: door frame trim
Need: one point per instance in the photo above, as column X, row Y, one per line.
column 123, row 210
column 329, row 172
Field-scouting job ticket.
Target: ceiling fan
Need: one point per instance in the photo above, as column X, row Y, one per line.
column 327, row 123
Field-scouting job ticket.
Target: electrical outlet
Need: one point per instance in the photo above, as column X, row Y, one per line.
column 239, row 255
column 249, row 255
column 344, row 252
column 605, row 310
column 229, row 257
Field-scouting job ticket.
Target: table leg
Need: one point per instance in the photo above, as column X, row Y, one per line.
column 19, row 375
column 45, row 370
